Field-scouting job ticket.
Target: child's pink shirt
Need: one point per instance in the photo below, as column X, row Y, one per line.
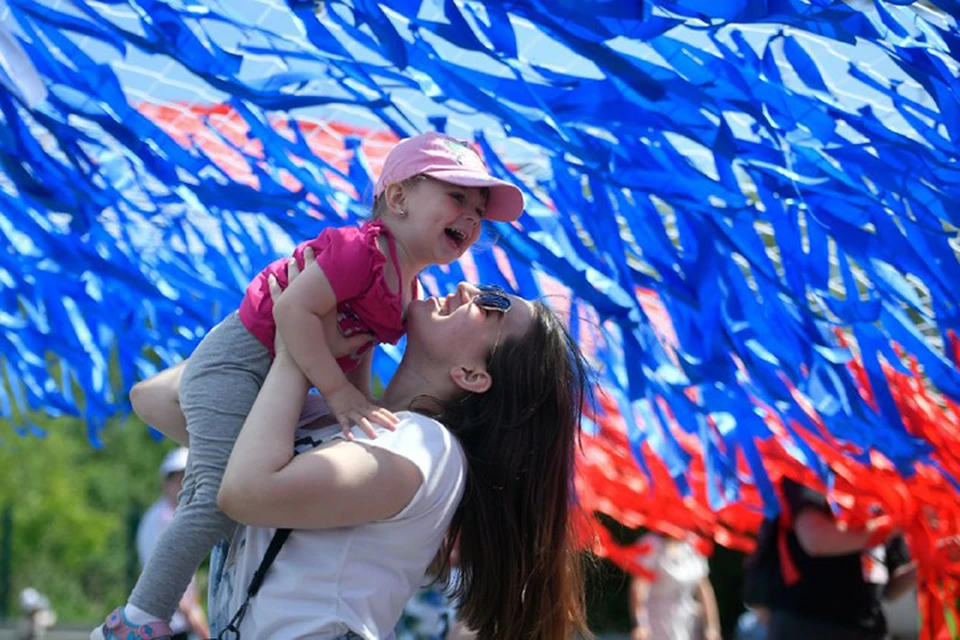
column 354, row 265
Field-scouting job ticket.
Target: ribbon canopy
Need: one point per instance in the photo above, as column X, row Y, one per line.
column 746, row 209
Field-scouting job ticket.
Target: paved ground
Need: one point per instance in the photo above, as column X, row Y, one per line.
column 10, row 633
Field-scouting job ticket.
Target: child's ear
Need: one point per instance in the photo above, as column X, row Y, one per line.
column 396, row 197
column 470, row 379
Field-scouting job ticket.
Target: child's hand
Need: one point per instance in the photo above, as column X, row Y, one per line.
column 350, row 407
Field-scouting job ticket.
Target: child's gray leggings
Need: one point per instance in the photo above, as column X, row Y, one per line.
column 217, row 390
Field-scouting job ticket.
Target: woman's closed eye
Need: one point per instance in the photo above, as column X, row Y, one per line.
column 484, row 310
column 490, row 311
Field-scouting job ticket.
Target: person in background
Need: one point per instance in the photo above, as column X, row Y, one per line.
column 36, row 615
column 428, row 615
column 841, row 576
column 189, row 619
column 679, row 603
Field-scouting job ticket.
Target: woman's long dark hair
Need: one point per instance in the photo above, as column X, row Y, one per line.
column 522, row 577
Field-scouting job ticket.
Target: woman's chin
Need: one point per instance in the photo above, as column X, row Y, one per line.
column 421, row 311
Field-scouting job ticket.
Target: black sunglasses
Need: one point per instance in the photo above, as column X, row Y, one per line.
column 492, row 298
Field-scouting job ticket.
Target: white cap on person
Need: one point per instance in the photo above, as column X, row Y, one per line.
column 174, row 462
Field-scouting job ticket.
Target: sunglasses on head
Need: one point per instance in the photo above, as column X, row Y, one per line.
column 492, row 298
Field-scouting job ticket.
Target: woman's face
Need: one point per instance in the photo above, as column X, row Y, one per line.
column 456, row 331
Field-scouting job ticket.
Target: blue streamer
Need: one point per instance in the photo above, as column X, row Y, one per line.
column 730, row 178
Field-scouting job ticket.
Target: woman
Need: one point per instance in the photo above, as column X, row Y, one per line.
column 678, row 603
column 489, row 393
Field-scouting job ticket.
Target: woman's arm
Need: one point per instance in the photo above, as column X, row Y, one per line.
column 711, row 613
column 903, row 579
column 338, row 485
column 819, row 535
column 156, row 401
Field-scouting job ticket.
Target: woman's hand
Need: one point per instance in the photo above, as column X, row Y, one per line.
column 279, row 346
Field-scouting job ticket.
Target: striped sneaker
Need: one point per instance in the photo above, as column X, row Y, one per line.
column 117, row 627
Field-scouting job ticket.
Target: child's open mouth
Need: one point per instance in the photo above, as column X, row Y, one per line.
column 456, row 235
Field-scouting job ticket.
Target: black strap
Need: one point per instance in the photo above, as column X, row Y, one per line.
column 279, row 537
column 232, row 630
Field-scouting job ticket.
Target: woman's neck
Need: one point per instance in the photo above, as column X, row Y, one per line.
column 412, row 382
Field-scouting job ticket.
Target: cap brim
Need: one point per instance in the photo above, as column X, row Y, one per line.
column 506, row 200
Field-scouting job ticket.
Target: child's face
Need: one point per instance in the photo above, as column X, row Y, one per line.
column 442, row 219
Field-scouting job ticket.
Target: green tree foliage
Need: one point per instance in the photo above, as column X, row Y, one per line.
column 74, row 508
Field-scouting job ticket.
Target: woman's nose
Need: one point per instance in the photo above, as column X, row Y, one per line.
column 466, row 291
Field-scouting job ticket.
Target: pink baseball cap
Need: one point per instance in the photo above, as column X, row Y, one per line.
column 450, row 160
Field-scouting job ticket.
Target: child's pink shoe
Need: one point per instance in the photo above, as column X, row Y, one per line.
column 117, row 627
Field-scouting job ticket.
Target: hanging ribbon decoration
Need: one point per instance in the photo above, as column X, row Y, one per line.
column 713, row 193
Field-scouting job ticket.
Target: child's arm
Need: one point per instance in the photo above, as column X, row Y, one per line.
column 298, row 312
column 265, row 485
column 156, row 401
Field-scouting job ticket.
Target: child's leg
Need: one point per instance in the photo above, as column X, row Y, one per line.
column 217, row 390
column 157, row 403
column 196, row 527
